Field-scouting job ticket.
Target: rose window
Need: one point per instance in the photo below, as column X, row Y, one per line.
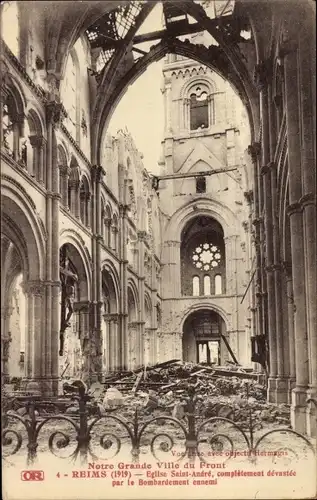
column 206, row 256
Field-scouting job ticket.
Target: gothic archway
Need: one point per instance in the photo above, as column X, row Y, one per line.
column 109, row 321
column 204, row 332
column 75, row 333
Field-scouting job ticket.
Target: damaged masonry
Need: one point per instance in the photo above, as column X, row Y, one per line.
column 158, row 276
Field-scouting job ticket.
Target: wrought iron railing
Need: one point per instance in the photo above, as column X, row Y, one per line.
column 94, row 430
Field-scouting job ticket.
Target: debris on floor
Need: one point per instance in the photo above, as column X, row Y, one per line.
column 228, row 391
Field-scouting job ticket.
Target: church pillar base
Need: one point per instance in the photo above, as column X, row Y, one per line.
column 299, row 409
column 311, row 414
column 291, row 386
column 271, row 390
column 261, row 378
column 281, row 390
column 41, row 386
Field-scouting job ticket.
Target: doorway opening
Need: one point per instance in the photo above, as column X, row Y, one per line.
column 208, row 352
column 203, row 332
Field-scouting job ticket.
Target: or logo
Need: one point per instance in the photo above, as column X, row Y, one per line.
column 32, row 475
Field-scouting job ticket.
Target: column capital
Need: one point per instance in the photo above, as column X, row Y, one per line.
column 249, row 196
column 278, row 100
column 230, row 237
column 82, row 306
column 111, row 317
column 287, row 268
column 265, row 169
column 173, row 243
column 6, row 311
column 74, row 183
column 294, row 208
column 263, row 73
column 55, row 113
column 4, row 91
column 64, row 170
column 254, row 150
column 37, row 141
column 123, row 209
column 20, row 117
column 107, row 221
column 256, row 222
column 35, row 287
column 142, row 235
column 287, row 46
column 307, row 199
column 97, row 173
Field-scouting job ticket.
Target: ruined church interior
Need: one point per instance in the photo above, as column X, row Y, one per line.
column 112, row 259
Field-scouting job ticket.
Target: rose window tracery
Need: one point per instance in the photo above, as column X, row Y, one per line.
column 206, row 256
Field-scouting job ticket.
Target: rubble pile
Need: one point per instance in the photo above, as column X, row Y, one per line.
column 228, row 392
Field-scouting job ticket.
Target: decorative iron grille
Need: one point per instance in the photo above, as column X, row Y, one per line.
column 102, row 435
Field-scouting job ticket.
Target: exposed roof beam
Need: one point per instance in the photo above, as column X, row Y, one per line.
column 139, row 51
column 157, row 35
column 195, row 174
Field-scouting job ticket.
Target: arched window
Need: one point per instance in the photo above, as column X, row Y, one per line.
column 70, row 96
column 196, row 286
column 85, row 202
column 202, row 257
column 63, row 175
column 199, row 111
column 74, row 188
column 199, row 108
column 200, row 184
column 13, row 127
column 107, row 226
column 10, row 26
column 218, row 284
column 21, row 304
column 8, row 127
column 115, row 233
column 34, row 151
column 207, row 289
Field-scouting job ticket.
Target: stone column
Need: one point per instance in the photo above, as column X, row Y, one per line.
column 41, row 162
column 4, row 92
column 298, row 414
column 281, row 394
column 147, row 346
column 76, row 197
column 6, row 313
column 172, row 267
column 168, row 103
column 98, row 174
column 55, row 284
column 142, row 277
column 107, row 231
column 34, row 168
column 82, row 312
column 263, row 73
column 307, row 74
column 115, row 341
column 64, row 173
column 230, row 285
column 254, row 151
column 46, row 360
column 54, row 115
column 107, row 345
column 289, row 340
column 113, row 238
column 18, row 131
column 35, row 342
column 88, row 212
